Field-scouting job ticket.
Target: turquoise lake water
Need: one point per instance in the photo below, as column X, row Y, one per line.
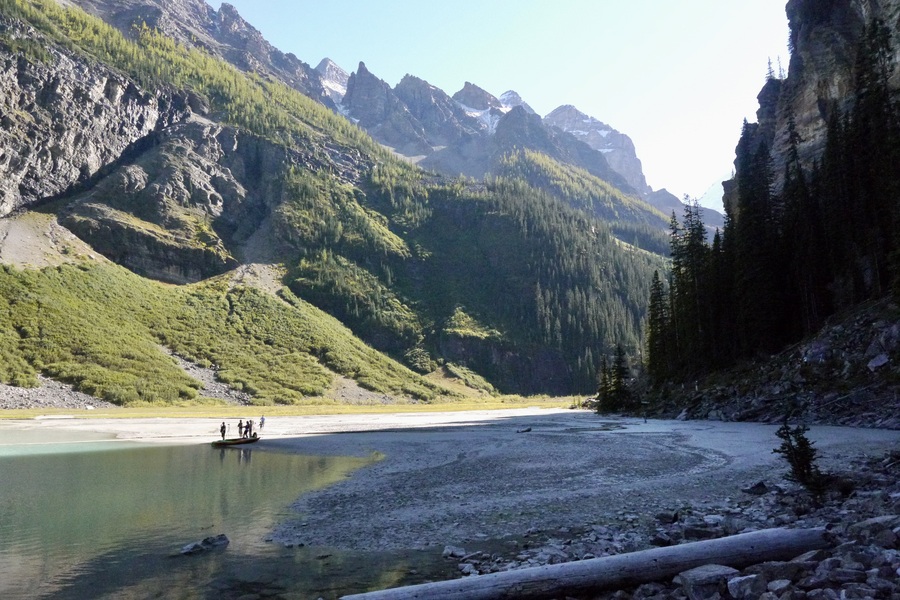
column 83, row 516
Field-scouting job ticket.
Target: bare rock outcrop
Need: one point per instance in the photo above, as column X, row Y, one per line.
column 617, row 148
column 65, row 118
column 180, row 211
column 223, row 33
column 375, row 106
column 824, row 38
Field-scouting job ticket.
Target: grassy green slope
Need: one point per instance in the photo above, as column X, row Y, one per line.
column 101, row 328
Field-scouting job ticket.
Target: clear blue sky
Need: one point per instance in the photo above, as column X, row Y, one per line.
column 677, row 76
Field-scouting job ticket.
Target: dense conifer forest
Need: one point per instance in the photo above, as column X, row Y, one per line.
column 826, row 239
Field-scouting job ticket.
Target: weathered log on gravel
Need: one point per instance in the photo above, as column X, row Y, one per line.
column 615, row 572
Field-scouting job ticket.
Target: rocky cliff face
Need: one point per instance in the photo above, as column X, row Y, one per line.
column 616, row 147
column 223, row 33
column 180, row 211
column 824, row 36
column 66, row 119
column 147, row 181
column 376, row 108
column 444, row 121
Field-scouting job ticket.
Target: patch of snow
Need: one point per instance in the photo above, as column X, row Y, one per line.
column 336, row 87
column 487, row 117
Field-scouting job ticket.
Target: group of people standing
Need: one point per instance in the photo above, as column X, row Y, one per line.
column 245, row 430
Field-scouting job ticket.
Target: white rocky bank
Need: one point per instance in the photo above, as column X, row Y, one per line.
column 863, row 522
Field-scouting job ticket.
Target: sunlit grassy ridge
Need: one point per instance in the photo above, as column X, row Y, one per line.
column 101, row 327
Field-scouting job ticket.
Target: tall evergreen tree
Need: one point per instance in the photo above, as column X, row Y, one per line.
column 757, row 289
column 658, row 359
column 689, row 253
column 874, row 138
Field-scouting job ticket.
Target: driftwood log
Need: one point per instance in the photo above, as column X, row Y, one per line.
column 615, row 572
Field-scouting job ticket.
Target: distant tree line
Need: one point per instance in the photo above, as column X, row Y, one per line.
column 786, row 261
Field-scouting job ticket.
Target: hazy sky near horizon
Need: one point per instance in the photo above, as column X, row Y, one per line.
column 677, row 76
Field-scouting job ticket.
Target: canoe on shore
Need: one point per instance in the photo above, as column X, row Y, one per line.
column 235, row 441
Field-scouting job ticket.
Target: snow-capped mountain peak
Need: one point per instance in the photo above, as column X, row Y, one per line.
column 510, row 99
column 334, row 79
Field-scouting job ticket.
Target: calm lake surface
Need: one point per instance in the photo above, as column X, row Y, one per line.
column 83, row 516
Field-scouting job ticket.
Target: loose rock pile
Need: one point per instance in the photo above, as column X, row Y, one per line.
column 849, row 374
column 862, row 517
column 51, row 394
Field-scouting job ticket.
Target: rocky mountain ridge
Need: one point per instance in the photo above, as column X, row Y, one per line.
column 468, row 132
column 465, row 133
column 617, row 148
column 453, row 142
column 223, row 33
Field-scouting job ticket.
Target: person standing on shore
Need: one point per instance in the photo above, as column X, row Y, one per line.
column 262, row 422
column 222, row 430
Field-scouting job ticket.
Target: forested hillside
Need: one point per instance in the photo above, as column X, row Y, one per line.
column 502, row 282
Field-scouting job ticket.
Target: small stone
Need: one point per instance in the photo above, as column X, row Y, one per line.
column 704, row 583
column 209, row 543
column 811, row 556
column 748, row 586
column 878, row 362
column 701, row 533
column 757, row 489
column 667, row 517
column 822, row 594
column 842, row 576
column 853, row 591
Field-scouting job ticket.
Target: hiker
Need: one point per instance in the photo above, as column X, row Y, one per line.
column 222, row 430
